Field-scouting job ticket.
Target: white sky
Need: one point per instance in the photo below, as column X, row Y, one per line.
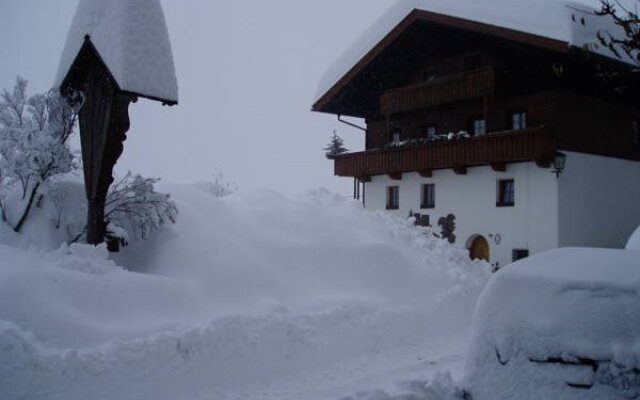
column 247, row 72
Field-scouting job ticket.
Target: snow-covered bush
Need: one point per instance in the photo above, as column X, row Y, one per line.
column 134, row 209
column 218, row 186
column 34, row 135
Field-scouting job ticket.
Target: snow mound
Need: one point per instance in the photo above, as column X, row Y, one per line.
column 132, row 38
column 249, row 296
column 570, row 329
column 568, row 21
column 634, row 241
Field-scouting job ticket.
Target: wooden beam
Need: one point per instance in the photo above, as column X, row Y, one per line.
column 543, row 163
column 499, row 167
column 396, row 176
column 460, row 170
column 426, row 173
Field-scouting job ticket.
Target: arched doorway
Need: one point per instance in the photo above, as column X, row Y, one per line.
column 479, row 249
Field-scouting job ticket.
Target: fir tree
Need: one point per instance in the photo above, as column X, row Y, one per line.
column 335, row 147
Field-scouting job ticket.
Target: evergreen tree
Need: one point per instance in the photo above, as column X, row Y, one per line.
column 335, row 146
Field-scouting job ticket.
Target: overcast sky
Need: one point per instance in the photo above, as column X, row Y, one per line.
column 247, row 73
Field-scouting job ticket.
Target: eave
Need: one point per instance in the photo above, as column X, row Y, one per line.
column 321, row 105
column 78, row 68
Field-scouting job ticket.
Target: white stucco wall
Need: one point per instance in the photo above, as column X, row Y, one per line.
column 531, row 224
column 599, row 201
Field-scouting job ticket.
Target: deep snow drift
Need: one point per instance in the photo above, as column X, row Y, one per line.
column 249, row 296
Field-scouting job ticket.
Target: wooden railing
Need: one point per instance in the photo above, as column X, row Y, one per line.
column 533, row 144
column 447, row 89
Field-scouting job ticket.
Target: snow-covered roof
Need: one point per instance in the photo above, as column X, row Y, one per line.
column 569, row 22
column 132, row 38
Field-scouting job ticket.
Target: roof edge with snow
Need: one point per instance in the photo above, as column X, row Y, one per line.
column 418, row 15
column 571, row 25
column 131, row 39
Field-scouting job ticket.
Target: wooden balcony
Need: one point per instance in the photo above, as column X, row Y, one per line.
column 447, row 89
column 496, row 150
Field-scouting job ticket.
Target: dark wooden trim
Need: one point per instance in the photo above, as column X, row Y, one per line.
column 426, row 173
column 396, row 176
column 543, row 162
column 443, row 20
column 460, row 169
column 507, row 147
column 443, row 90
column 499, row 166
column 364, row 178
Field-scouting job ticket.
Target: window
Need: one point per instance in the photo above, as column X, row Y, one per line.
column 431, row 132
column 519, row 254
column 478, row 126
column 635, row 132
column 428, row 199
column 506, row 193
column 519, row 120
column 395, row 137
column 393, row 197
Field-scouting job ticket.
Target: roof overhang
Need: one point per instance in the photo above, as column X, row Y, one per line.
column 443, row 20
column 78, row 70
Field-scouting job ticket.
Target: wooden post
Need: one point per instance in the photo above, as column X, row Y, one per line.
column 104, row 122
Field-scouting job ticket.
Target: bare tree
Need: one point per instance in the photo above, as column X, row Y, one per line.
column 627, row 19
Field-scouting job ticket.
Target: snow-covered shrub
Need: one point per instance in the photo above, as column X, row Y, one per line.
column 218, row 186
column 34, row 134
column 134, row 209
column 435, row 139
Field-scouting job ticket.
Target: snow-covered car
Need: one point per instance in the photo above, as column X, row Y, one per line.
column 564, row 324
column 634, row 241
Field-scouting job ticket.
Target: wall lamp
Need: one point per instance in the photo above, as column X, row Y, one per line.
column 559, row 160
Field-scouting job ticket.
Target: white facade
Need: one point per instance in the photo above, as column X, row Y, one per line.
column 595, row 202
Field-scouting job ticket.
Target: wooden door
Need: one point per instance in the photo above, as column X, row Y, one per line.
column 479, row 249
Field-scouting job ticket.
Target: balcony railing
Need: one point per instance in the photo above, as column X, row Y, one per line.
column 447, row 89
column 497, row 149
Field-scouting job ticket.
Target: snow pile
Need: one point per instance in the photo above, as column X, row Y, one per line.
column 634, row 241
column 132, row 39
column 570, row 329
column 252, row 296
column 567, row 21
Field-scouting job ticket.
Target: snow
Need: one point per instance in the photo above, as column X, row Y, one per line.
column 548, row 18
column 132, row 39
column 564, row 306
column 634, row 240
column 249, row 296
